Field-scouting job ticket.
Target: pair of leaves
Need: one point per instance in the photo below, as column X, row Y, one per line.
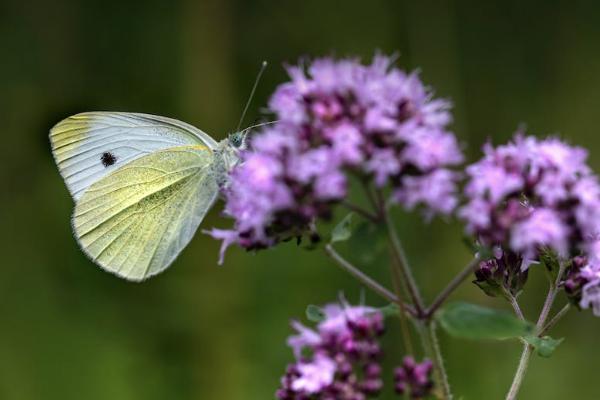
column 470, row 321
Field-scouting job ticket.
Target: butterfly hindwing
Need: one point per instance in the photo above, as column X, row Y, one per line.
column 135, row 220
column 89, row 146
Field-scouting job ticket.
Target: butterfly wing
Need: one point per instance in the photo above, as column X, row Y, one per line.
column 136, row 220
column 89, row 146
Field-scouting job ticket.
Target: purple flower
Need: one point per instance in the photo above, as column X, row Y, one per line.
column 435, row 189
column 383, row 164
column 377, row 117
column 278, row 191
column 305, row 338
column 337, row 360
column 504, row 270
column 337, row 116
column 590, row 295
column 315, row 375
column 530, row 195
column 542, row 226
column 429, row 149
column 582, row 283
column 414, row 378
column 347, row 143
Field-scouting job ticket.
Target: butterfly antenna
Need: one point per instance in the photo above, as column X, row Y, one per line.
column 262, row 69
column 259, row 125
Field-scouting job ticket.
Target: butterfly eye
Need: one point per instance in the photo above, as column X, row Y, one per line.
column 108, row 159
column 236, row 139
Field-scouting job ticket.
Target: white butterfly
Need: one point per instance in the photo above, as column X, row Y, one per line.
column 141, row 184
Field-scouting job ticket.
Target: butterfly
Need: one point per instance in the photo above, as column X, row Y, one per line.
column 142, row 184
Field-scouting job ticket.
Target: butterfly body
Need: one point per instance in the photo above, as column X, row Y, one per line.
column 142, row 184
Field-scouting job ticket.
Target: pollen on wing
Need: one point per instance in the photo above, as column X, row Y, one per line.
column 108, row 159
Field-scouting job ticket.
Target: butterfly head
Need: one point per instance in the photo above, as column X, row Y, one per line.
column 237, row 140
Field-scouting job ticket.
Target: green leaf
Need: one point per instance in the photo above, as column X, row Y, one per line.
column 389, row 310
column 471, row 321
column 315, row 313
column 544, row 346
column 342, row 231
column 491, row 288
column 367, row 243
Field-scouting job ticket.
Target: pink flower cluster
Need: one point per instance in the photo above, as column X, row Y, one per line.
column 335, row 118
column 582, row 283
column 414, row 379
column 532, row 194
column 337, row 361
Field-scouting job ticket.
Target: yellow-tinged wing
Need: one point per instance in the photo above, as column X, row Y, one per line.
column 137, row 219
column 89, row 146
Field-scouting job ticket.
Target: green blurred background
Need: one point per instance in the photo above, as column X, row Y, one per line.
column 71, row 331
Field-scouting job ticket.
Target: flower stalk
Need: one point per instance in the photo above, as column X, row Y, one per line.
column 361, row 276
column 451, row 287
column 557, row 317
column 402, row 263
column 539, row 327
column 521, row 369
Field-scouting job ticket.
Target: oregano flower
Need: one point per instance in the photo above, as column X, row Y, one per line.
column 337, row 117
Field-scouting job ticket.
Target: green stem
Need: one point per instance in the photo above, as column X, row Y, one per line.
column 397, row 281
column 547, row 307
column 454, row 283
column 402, row 262
column 361, row 211
column 427, row 326
column 373, row 200
column 521, row 369
column 359, row 275
column 527, row 349
column 439, row 361
column 563, row 311
column 513, row 302
column 427, row 330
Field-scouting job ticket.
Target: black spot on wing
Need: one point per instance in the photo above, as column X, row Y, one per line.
column 108, row 159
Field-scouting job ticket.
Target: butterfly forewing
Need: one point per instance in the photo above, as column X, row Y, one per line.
column 91, row 145
column 135, row 220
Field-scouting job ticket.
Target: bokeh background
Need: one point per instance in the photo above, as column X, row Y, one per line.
column 71, row 331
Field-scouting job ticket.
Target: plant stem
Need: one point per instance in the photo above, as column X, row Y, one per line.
column 402, row 262
column 547, row 307
column 397, row 282
column 515, row 305
column 439, row 361
column 428, row 334
column 372, row 199
column 427, row 330
column 361, row 211
column 366, row 280
column 563, row 311
column 513, row 302
column 522, row 368
column 454, row 283
column 524, row 361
